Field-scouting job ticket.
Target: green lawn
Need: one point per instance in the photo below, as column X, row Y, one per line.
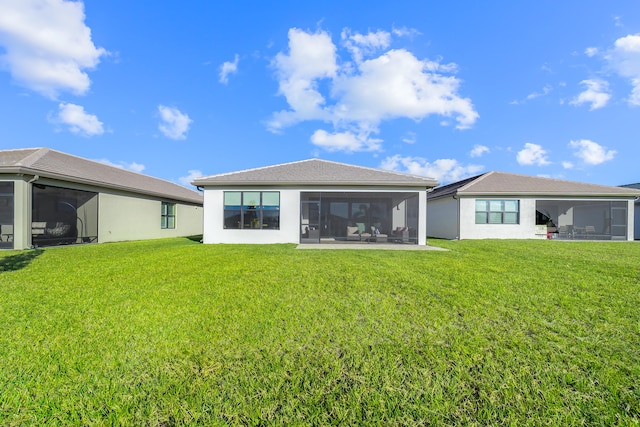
column 171, row 332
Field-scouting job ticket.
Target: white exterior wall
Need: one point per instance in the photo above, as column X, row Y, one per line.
column 289, row 232
column 442, row 218
column 525, row 230
column 214, row 231
column 422, row 218
column 132, row 217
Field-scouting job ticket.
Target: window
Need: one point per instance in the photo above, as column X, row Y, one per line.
column 497, row 212
column 252, row 210
column 168, row 215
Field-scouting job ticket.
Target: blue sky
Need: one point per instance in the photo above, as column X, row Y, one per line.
column 442, row 89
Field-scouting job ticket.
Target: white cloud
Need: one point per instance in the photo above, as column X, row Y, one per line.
column 478, row 150
column 591, row 51
column 47, row 46
column 567, row 165
column 596, row 93
column 361, row 45
column 545, row 91
column 405, row 32
column 133, row 166
column 397, row 84
column 192, row 174
column 344, row 141
column 617, row 21
column 311, row 57
column 591, row 152
column 624, row 58
column 532, row 154
column 443, row 170
column 173, row 124
column 409, row 138
column 228, row 68
column 78, row 120
column 365, row 92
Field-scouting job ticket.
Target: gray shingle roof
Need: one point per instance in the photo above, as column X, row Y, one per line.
column 57, row 165
column 315, row 172
column 502, row 183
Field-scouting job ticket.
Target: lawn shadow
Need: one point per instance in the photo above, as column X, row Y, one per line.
column 19, row 261
column 197, row 238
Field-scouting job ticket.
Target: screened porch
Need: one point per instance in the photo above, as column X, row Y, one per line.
column 359, row 217
column 585, row 220
column 62, row 216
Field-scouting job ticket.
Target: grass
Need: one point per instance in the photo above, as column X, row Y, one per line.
column 171, row 332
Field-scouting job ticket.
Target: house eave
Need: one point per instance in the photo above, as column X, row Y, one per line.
column 301, row 184
column 546, row 195
column 20, row 170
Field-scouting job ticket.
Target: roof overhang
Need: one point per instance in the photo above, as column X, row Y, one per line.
column 218, row 184
column 625, row 195
column 21, row 170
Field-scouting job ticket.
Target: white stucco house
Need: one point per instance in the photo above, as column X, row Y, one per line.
column 315, row 201
column 52, row 198
column 498, row 205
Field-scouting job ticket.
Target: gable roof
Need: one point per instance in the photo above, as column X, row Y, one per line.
column 48, row 163
column 315, row 172
column 502, row 183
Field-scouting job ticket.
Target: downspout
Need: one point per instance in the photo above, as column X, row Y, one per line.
column 457, row 199
column 34, row 179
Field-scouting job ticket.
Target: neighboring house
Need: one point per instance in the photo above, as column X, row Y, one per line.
column 314, row 201
column 52, row 198
column 498, row 205
column 637, row 211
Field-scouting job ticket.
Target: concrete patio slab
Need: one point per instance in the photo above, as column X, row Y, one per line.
column 364, row 246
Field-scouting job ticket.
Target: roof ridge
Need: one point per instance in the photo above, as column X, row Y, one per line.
column 29, row 160
column 476, row 180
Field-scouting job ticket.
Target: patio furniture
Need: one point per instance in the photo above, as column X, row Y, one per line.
column 377, row 235
column 400, row 235
column 6, row 232
column 589, row 230
column 565, row 232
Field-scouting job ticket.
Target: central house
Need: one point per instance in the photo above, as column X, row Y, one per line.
column 315, row 201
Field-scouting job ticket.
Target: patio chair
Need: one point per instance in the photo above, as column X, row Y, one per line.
column 353, row 233
column 400, row 235
column 564, row 232
column 377, row 235
column 6, row 232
